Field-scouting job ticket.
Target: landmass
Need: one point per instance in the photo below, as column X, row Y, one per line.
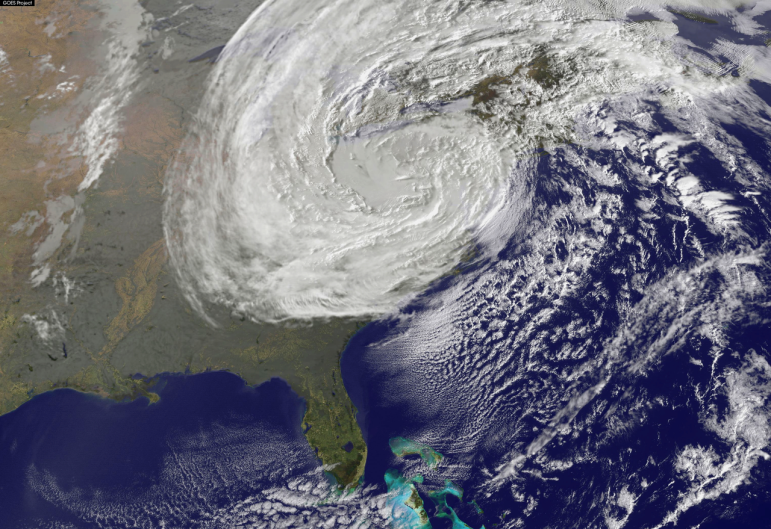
column 87, row 298
column 693, row 16
column 404, row 499
column 402, row 447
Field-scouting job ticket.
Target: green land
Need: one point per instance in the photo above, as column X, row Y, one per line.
column 405, row 502
column 110, row 308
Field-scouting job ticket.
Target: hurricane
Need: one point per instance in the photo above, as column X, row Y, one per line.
column 542, row 228
column 347, row 154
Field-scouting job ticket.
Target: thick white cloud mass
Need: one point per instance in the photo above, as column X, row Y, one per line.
column 349, row 152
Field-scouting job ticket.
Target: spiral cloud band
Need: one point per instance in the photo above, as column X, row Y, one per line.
column 320, row 183
column 347, row 153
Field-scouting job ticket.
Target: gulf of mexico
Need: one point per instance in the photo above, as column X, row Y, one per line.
column 211, row 440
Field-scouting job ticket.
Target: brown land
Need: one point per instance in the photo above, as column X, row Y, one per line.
column 110, row 305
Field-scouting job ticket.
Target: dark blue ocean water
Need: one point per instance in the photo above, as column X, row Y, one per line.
column 223, row 440
column 629, row 441
column 88, row 444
